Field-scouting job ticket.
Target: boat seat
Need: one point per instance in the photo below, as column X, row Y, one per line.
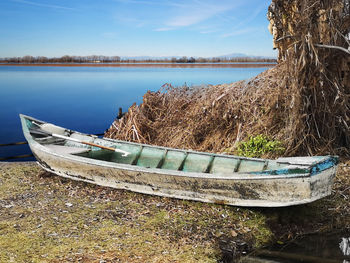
column 80, row 137
column 61, row 149
column 150, row 157
column 224, row 165
column 196, row 163
column 50, row 128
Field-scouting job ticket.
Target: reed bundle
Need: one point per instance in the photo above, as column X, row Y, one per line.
column 303, row 101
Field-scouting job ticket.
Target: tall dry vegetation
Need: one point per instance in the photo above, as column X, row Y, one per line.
column 312, row 37
column 303, row 102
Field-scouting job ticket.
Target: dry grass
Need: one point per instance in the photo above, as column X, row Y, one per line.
column 207, row 118
column 44, row 218
column 303, row 102
column 309, row 35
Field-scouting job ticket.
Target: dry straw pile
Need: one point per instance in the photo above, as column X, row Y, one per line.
column 303, row 102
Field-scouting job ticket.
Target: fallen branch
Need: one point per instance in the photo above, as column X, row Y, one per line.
column 334, row 47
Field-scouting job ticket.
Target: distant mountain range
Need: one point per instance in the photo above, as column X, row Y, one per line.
column 242, row 55
column 235, row 55
column 228, row 56
column 148, row 57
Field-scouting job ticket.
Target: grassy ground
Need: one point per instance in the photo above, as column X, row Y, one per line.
column 44, row 218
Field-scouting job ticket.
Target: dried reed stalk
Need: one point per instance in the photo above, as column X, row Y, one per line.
column 304, row 101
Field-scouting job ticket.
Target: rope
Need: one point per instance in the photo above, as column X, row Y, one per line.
column 16, row 157
column 20, row 143
column 25, row 155
column 14, row 143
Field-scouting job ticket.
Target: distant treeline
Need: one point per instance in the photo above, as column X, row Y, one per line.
column 117, row 59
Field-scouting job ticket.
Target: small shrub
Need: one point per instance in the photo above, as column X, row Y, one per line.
column 259, row 145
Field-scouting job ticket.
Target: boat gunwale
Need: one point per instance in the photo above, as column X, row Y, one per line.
column 115, row 165
column 163, row 147
column 185, row 150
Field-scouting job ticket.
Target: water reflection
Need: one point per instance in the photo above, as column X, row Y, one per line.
column 326, row 247
column 86, row 99
column 344, row 246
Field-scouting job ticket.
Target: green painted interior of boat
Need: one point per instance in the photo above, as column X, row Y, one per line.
column 152, row 157
column 29, row 123
column 173, row 159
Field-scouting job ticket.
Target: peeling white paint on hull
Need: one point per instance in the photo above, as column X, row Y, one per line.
column 296, row 181
column 253, row 192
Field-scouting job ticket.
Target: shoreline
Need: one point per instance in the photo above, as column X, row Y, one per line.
column 165, row 65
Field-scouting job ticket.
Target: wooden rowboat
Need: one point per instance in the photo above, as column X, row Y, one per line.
column 184, row 174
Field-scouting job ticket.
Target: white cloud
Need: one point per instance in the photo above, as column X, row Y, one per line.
column 208, row 31
column 239, row 32
column 243, row 27
column 43, row 5
column 198, row 11
column 254, row 14
column 152, row 2
column 192, row 14
column 161, row 29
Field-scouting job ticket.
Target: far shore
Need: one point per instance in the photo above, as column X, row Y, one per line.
column 165, row 65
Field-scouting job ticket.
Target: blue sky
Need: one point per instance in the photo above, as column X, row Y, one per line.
column 202, row 28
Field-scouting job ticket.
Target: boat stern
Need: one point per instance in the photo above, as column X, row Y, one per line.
column 321, row 183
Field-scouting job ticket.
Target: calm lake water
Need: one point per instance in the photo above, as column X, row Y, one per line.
column 87, row 98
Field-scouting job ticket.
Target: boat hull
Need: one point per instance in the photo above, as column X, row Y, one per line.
column 245, row 190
